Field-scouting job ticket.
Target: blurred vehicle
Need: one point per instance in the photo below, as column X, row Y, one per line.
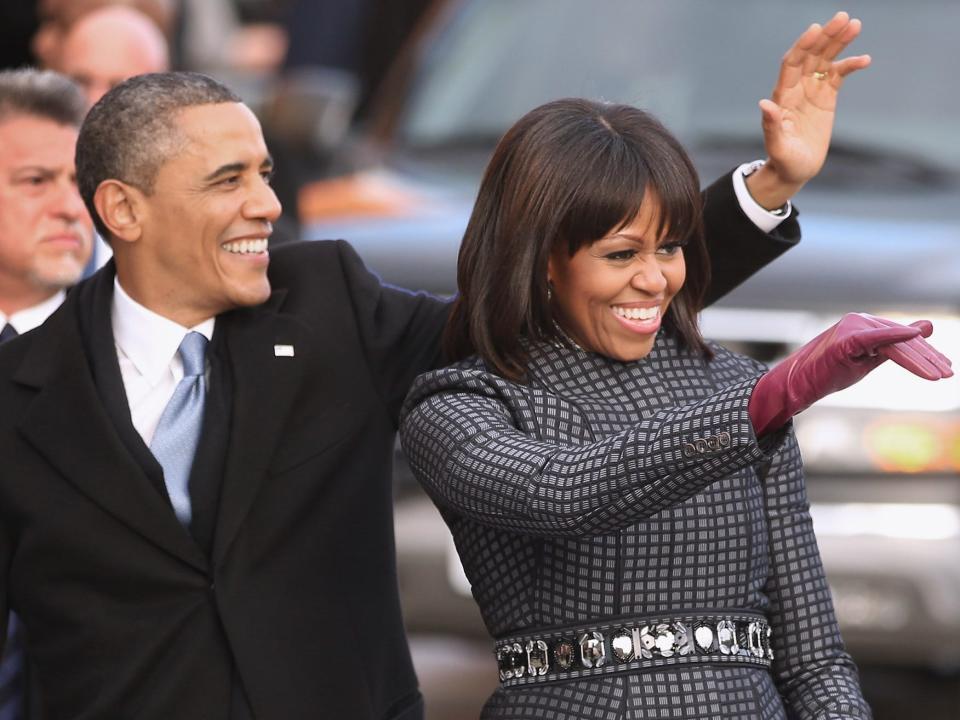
column 881, row 234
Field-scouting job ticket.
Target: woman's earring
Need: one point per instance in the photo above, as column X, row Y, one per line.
column 549, row 291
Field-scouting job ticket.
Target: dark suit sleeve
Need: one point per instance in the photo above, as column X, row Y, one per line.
column 4, row 604
column 737, row 247
column 814, row 673
column 400, row 330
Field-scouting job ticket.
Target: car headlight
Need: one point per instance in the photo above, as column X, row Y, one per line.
column 839, row 439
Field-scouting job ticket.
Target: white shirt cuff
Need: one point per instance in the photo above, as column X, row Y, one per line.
column 759, row 215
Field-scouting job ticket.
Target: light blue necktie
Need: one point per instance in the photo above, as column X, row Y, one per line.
column 178, row 432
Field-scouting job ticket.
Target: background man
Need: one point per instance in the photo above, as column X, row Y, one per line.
column 45, row 231
column 108, row 45
column 101, row 48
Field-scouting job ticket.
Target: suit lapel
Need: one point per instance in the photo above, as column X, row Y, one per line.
column 266, row 381
column 69, row 426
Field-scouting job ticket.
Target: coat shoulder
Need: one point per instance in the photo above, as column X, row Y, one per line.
column 733, row 365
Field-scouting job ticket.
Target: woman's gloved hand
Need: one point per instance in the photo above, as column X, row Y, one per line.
column 839, row 357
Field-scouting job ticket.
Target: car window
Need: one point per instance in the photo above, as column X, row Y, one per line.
column 700, row 66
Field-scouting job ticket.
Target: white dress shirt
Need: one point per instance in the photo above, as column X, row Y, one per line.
column 759, row 215
column 31, row 317
column 150, row 366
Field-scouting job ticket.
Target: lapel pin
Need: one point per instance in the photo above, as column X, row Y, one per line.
column 283, row 350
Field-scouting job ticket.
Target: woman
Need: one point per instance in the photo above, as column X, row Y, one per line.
column 627, row 499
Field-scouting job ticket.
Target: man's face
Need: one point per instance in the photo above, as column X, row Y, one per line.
column 204, row 227
column 46, row 234
column 107, row 46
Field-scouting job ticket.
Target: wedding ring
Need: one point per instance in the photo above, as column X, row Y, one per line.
column 819, row 75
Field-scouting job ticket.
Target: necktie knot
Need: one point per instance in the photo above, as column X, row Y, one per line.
column 193, row 349
column 7, row 333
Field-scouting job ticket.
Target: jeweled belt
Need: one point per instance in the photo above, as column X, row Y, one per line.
column 626, row 644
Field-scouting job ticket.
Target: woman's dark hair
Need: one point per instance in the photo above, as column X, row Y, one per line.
column 566, row 174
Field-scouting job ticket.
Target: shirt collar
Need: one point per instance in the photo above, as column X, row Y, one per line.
column 31, row 317
column 149, row 340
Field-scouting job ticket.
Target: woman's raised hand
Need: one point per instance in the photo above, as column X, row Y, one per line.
column 798, row 118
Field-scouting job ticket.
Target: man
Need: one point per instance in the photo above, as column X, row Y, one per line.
column 101, row 47
column 107, row 45
column 195, row 508
column 56, row 17
column 270, row 592
column 45, row 231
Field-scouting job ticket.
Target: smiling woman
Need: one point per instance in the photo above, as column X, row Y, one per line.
column 613, row 294
column 579, row 181
column 627, row 499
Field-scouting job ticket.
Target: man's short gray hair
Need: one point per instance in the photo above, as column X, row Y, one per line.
column 131, row 131
column 41, row 93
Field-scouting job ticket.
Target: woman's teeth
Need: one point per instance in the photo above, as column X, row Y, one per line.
column 636, row 313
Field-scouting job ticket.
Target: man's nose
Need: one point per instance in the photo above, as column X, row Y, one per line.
column 67, row 202
column 262, row 204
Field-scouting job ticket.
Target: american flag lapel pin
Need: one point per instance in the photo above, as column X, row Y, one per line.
column 283, row 351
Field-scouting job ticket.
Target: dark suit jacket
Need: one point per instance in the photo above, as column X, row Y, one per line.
column 126, row 616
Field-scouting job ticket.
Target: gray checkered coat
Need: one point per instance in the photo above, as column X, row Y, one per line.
column 584, row 495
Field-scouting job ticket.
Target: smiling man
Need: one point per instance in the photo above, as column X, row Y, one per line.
column 196, row 497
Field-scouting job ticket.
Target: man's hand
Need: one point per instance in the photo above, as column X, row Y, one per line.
column 798, row 120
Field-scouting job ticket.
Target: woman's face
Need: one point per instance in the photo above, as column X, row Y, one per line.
column 612, row 295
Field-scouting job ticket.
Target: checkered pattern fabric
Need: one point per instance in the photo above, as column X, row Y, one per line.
column 575, row 497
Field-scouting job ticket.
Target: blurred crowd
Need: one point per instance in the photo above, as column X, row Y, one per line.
column 308, row 68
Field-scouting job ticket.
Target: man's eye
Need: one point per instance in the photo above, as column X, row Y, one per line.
column 267, row 176
column 230, row 180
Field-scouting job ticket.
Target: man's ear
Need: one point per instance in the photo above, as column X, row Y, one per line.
column 121, row 209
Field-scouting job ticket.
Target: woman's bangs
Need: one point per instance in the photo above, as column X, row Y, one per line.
column 607, row 197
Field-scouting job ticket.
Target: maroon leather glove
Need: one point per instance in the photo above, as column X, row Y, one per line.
column 837, row 358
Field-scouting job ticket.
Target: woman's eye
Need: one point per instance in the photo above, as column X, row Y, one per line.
column 670, row 249
column 621, row 255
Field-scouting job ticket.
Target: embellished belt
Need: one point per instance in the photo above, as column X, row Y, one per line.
column 626, row 644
